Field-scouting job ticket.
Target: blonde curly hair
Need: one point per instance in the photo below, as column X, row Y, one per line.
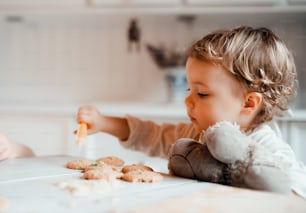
column 259, row 59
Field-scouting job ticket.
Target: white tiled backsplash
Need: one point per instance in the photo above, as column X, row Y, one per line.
column 75, row 58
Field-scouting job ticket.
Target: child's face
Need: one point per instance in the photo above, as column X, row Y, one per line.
column 214, row 95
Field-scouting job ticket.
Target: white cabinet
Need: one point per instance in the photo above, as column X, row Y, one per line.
column 46, row 135
column 133, row 2
column 297, row 139
column 296, row 2
column 293, row 132
column 231, row 2
column 41, row 2
column 135, row 7
column 154, row 2
column 104, row 2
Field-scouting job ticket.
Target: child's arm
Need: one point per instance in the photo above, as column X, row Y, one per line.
column 97, row 122
column 136, row 134
column 10, row 149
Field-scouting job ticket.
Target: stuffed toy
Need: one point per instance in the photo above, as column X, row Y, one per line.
column 227, row 156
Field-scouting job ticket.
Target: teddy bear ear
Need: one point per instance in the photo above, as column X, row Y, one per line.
column 182, row 146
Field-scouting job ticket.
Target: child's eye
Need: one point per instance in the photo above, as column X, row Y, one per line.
column 202, row 94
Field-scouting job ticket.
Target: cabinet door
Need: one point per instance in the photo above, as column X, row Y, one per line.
column 284, row 130
column 154, row 2
column 297, row 134
column 45, row 135
column 41, row 2
column 232, row 2
column 293, row 2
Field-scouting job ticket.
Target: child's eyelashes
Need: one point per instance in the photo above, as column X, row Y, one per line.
column 202, row 94
column 197, row 93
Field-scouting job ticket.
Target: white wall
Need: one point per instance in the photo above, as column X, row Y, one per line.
column 72, row 58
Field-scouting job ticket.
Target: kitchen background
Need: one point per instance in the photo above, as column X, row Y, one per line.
column 57, row 56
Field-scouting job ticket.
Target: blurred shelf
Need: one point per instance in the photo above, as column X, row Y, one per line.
column 149, row 10
column 142, row 109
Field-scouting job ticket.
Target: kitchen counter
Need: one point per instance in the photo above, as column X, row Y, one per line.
column 43, row 184
column 141, row 109
column 113, row 108
column 23, row 123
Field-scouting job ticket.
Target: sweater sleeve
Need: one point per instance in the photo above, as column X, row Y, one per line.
column 154, row 139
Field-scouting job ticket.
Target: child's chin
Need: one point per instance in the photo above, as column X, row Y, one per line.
column 197, row 127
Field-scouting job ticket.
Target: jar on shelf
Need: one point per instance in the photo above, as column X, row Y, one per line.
column 176, row 84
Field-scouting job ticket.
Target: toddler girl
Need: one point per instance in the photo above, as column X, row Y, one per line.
column 238, row 81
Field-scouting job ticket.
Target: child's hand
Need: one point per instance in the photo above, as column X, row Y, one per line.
column 5, row 147
column 92, row 117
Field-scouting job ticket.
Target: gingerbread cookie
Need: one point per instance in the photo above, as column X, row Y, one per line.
column 95, row 165
column 134, row 167
column 80, row 164
column 111, row 160
column 105, row 172
column 142, row 176
column 101, row 166
column 110, row 168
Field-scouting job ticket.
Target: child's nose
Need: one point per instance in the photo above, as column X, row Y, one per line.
column 189, row 101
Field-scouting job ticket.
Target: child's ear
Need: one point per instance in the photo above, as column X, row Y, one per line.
column 252, row 102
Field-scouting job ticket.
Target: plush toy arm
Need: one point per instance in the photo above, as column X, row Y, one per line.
column 191, row 159
column 249, row 164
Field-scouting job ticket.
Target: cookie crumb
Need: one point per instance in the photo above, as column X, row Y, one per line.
column 81, row 187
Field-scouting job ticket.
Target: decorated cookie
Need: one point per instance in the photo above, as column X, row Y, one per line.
column 111, row 160
column 96, row 165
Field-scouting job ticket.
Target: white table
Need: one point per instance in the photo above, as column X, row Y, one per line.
column 34, row 185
